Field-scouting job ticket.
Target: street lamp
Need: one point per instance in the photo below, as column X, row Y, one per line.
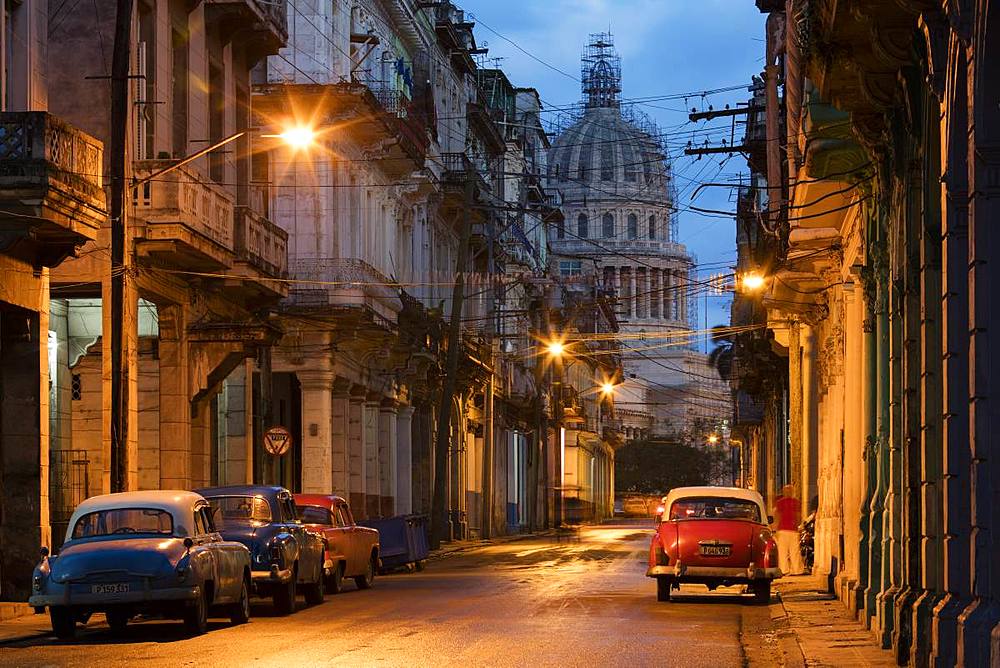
column 752, row 281
column 713, row 439
column 297, row 137
column 555, row 349
column 607, row 388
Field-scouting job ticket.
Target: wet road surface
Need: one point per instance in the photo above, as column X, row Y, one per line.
column 535, row 602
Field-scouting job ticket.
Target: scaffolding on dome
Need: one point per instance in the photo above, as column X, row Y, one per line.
column 601, row 71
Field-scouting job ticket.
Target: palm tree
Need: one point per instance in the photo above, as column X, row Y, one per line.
column 721, row 357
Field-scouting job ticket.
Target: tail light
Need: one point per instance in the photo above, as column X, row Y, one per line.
column 661, row 557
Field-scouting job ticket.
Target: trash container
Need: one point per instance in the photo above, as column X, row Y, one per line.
column 402, row 540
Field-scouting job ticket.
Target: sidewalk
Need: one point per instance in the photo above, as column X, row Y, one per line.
column 827, row 635
column 24, row 628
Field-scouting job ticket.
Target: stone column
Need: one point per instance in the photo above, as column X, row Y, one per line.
column 370, row 437
column 356, row 451
column 641, row 292
column 404, row 460
column 317, row 423
column 854, row 479
column 387, row 458
column 340, row 415
column 654, row 294
column 175, row 404
column 668, row 295
column 810, row 420
column 201, row 443
column 633, row 292
column 955, row 370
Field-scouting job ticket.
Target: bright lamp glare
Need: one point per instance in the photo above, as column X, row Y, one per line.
column 753, row 282
column 298, row 137
column 608, row 388
column 713, row 439
column 555, row 349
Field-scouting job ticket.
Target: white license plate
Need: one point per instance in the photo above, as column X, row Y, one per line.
column 119, row 588
column 716, row 550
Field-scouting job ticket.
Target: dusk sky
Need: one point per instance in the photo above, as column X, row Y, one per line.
column 667, row 47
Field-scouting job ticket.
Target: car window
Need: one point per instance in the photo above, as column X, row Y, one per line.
column 206, row 514
column 315, row 515
column 239, row 510
column 199, row 524
column 346, row 518
column 124, row 521
column 288, row 510
column 712, row 507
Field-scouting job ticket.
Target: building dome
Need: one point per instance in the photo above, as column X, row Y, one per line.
column 604, row 156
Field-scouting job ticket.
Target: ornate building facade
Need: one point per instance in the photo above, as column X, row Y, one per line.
column 620, row 225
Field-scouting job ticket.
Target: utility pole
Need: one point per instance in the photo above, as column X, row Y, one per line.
column 439, row 509
column 119, row 274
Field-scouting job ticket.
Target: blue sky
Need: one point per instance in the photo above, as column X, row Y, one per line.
column 667, row 47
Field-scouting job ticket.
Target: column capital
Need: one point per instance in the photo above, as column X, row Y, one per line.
column 406, row 412
column 315, row 379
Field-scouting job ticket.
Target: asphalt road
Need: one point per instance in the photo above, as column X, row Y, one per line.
column 524, row 603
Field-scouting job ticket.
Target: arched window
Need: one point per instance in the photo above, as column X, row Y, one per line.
column 581, row 226
column 560, row 229
column 652, row 227
column 633, row 226
column 608, row 225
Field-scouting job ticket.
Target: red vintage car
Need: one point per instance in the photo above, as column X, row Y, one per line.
column 715, row 536
column 352, row 551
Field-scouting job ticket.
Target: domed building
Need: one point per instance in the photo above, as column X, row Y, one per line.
column 619, row 224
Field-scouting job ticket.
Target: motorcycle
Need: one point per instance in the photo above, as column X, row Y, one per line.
column 807, row 532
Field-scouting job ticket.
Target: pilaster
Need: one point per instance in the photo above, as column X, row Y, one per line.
column 387, row 457
column 404, row 460
column 317, row 420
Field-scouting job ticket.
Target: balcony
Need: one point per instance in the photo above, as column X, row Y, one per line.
column 261, row 251
column 262, row 25
column 347, row 289
column 185, row 222
column 50, row 187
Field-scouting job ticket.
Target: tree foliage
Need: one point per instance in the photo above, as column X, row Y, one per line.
column 657, row 466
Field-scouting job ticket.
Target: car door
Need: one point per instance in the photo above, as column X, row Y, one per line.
column 228, row 564
column 292, row 524
column 351, row 548
column 203, row 552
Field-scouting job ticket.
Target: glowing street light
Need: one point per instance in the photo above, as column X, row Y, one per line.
column 298, row 137
column 752, row 282
column 607, row 389
column 555, row 348
column 713, row 439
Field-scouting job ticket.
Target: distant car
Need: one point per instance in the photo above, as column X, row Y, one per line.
column 715, row 536
column 153, row 552
column 352, row 551
column 639, row 505
column 285, row 555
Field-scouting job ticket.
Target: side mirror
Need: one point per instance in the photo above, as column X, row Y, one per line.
column 44, row 552
column 770, row 519
column 188, row 543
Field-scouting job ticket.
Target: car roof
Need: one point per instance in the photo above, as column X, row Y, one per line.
column 325, row 500
column 179, row 503
column 726, row 492
column 243, row 490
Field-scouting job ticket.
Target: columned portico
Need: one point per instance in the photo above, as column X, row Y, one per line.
column 317, row 430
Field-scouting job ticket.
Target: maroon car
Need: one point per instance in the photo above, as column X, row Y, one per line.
column 351, row 550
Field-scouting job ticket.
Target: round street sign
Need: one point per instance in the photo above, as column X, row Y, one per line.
column 277, row 441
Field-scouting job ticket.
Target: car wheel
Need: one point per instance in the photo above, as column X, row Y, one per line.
column 663, row 585
column 420, row 565
column 284, row 596
column 335, row 583
column 196, row 616
column 368, row 579
column 315, row 592
column 63, row 622
column 240, row 611
column 762, row 592
column 117, row 620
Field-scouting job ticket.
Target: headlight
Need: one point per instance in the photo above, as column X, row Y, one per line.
column 36, row 583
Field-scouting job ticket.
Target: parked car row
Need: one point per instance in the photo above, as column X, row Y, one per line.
column 186, row 555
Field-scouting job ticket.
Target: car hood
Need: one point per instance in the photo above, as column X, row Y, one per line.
column 137, row 556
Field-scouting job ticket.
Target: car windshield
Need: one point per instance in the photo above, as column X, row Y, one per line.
column 240, row 509
column 124, row 521
column 714, row 508
column 313, row 514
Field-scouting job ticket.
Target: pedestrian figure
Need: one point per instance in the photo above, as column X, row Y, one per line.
column 787, row 509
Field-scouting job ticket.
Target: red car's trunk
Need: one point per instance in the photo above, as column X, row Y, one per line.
column 702, row 542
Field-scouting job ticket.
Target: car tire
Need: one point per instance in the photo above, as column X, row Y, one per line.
column 368, row 579
column 63, row 622
column 420, row 565
column 315, row 592
column 663, row 585
column 284, row 596
column 762, row 592
column 196, row 616
column 117, row 620
column 239, row 613
column 335, row 583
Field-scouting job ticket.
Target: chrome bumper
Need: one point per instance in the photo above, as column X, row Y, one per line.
column 67, row 598
column 273, row 575
column 722, row 572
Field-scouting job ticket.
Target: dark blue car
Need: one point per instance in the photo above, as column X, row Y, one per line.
column 283, row 554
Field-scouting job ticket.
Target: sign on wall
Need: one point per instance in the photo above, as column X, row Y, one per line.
column 277, row 441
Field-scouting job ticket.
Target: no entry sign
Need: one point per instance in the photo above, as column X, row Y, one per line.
column 277, row 441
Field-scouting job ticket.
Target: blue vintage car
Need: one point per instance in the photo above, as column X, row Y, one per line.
column 284, row 554
column 153, row 552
